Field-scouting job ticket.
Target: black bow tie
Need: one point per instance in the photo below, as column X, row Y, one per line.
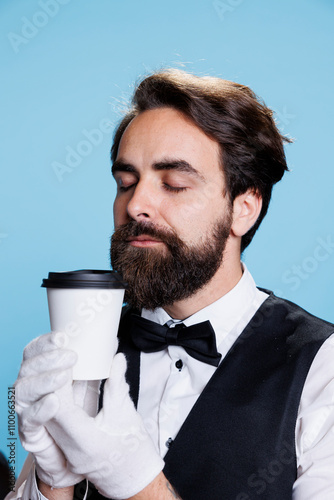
column 199, row 340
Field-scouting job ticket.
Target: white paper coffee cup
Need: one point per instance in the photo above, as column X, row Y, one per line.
column 85, row 308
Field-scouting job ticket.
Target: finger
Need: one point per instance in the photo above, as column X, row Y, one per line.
column 33, row 434
column 39, row 413
column 41, row 344
column 58, row 359
column 35, row 440
column 118, row 367
column 116, row 387
column 28, row 390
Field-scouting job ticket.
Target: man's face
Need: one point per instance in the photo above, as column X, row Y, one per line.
column 171, row 218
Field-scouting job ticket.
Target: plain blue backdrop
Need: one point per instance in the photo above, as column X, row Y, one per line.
column 68, row 67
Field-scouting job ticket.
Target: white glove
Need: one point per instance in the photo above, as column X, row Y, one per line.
column 112, row 450
column 44, row 369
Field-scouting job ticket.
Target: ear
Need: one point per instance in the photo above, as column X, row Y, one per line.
column 246, row 209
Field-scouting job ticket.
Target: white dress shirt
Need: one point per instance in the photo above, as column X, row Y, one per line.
column 171, row 381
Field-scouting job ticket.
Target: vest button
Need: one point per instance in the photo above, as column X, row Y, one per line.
column 179, row 364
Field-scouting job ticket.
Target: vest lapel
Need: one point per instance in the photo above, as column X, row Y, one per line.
column 132, row 354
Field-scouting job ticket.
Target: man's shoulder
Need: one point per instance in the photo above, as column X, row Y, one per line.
column 283, row 313
column 293, row 308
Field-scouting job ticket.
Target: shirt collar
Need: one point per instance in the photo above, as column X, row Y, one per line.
column 224, row 314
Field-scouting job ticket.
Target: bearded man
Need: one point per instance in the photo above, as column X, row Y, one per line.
column 220, row 389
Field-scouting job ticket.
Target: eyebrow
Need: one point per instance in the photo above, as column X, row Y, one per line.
column 167, row 164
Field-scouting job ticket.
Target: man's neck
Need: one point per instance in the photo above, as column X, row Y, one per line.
column 222, row 282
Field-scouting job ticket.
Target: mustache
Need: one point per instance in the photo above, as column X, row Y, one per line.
column 134, row 228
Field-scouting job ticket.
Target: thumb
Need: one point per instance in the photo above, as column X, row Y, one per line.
column 116, row 388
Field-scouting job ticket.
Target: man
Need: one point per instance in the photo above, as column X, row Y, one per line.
column 233, row 386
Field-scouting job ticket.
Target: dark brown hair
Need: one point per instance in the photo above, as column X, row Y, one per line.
column 251, row 144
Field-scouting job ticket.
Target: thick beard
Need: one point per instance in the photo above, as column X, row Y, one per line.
column 159, row 278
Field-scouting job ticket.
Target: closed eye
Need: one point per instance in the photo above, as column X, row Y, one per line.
column 173, row 189
column 125, row 181
column 123, row 188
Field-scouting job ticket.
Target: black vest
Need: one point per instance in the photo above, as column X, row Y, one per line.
column 238, row 442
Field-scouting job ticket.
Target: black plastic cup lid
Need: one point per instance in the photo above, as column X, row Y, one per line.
column 85, row 278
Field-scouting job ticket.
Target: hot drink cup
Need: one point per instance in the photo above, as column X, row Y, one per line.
column 85, row 308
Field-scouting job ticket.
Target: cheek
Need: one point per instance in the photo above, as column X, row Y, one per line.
column 187, row 221
column 198, row 207
column 176, row 214
column 120, row 212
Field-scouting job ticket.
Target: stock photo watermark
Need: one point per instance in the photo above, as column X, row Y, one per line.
column 75, row 155
column 284, row 118
column 297, row 273
column 259, row 481
column 85, row 313
column 30, row 28
column 11, row 437
column 223, row 8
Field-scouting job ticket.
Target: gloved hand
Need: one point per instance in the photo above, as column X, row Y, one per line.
column 46, row 368
column 112, row 450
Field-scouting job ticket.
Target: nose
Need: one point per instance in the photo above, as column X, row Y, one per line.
column 143, row 202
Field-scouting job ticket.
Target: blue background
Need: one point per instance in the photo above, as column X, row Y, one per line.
column 70, row 64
